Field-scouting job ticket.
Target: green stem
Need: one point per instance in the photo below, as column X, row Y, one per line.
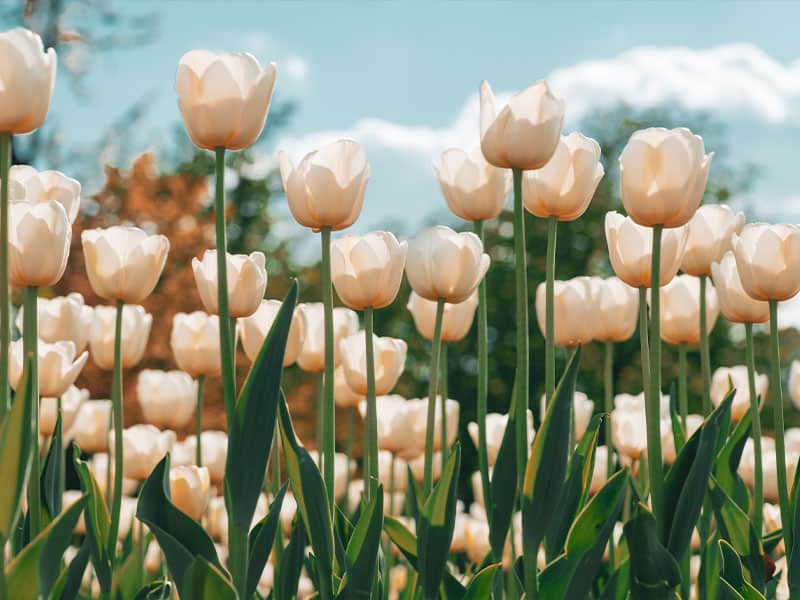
column 371, row 454
column 483, row 385
column 644, row 342
column 320, row 422
column 780, row 446
column 432, row 388
column 387, row 549
column 755, row 420
column 443, row 404
column 225, row 332
column 328, row 414
column 30, row 343
column 3, row 589
column 351, row 425
column 521, row 298
column 116, row 409
column 141, row 549
column 5, row 296
column 549, row 337
column 705, row 359
column 653, row 412
column 683, row 394
column 198, row 421
column 238, row 556
column 608, row 389
column 62, row 466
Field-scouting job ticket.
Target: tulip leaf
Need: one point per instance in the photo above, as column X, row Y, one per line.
column 202, row 580
column 261, row 539
column 97, row 521
column 687, row 481
column 547, row 465
column 311, row 496
column 654, row 572
column 726, row 468
column 793, row 560
column 52, row 473
column 34, row 571
column 68, row 583
column 127, row 576
column 16, row 442
column 732, row 576
column 575, row 489
column 571, row 575
column 503, row 485
column 181, row 538
column 616, row 587
column 155, row 590
column 362, row 550
column 678, row 434
column 290, row 565
column 251, row 430
column 480, row 586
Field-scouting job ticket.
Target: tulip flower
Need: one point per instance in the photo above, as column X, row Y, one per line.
column 312, row 351
column 65, row 318
column 771, row 467
column 214, row 451
column 693, row 423
column 28, row 74
column 167, row 398
column 390, row 358
column 456, row 318
column 136, row 325
column 247, row 282
column 680, row 315
column 734, row 302
column 58, row 366
column 195, row 343
column 356, row 489
column 69, row 405
column 90, row 429
column 396, row 425
column 574, row 299
column 663, row 173
column 143, row 447
column 189, row 490
column 223, row 98
column 326, row 189
column 392, row 472
column 254, row 330
column 99, row 465
column 40, row 236
column 726, row 379
column 495, row 430
column 345, row 468
column 711, row 231
column 36, row 187
column 601, row 471
column 615, row 309
column 343, row 394
column 419, row 409
column 367, row 270
column 473, row 189
column 123, row 263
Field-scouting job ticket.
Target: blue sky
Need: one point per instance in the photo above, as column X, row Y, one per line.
column 402, row 77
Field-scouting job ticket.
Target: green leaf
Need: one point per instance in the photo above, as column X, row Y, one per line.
column 250, row 433
column 51, row 473
column 726, row 467
column 503, row 484
column 571, row 575
column 127, row 576
column 97, row 521
column 203, row 580
column 34, row 571
column 287, row 575
column 480, row 586
column 261, row 539
column 362, row 551
column 310, row 494
column 435, row 525
column 616, row 587
column 15, row 455
column 181, row 538
column 654, row 571
column 69, row 581
column 732, row 576
column 155, row 590
column 793, row 556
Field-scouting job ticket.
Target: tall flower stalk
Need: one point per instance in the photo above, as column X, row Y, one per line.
column 30, row 343
column 549, row 338
column 608, row 392
column 328, row 407
column 683, row 394
column 371, row 454
column 482, row 407
column 780, row 445
column 523, row 351
column 117, row 416
column 755, row 420
column 653, row 415
column 198, row 421
column 445, row 449
column 5, row 299
column 705, row 359
column 433, row 384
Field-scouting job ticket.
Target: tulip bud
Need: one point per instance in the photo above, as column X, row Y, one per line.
column 65, row 318
column 496, row 424
column 572, row 301
column 392, row 472
column 90, row 429
column 396, row 423
column 727, row 378
column 39, row 240
column 390, row 359
column 736, row 305
column 167, row 398
column 327, row 187
column 564, row 187
column 214, row 450
column 616, row 311
column 195, row 343
column 254, row 330
column 418, row 409
column 525, row 133
column 136, row 325
column 367, row 270
column 711, row 232
column 343, row 395
column 680, row 310
column 143, row 446
column 123, row 263
column 312, row 352
column 456, row 318
column 29, row 185
column 28, row 74
column 445, row 265
column 247, row 282
column 58, row 366
column 663, row 174
column 473, row 189
column 600, row 471
column 223, row 98
column 630, row 250
column 768, row 260
column 628, row 424
column 189, row 490
column 71, row 401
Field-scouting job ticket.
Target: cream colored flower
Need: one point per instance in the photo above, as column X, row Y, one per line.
column 312, row 352
column 680, row 310
column 195, row 343
column 65, row 318
column 254, row 330
column 663, row 174
column 734, row 302
column 496, row 424
column 189, row 489
column 711, row 231
column 396, row 426
column 167, row 398
column 27, row 184
column 600, row 471
column 355, row 490
column 473, row 189
column 524, row 134
column 721, row 385
column 343, row 395
column 143, row 446
column 71, row 402
column 693, row 423
column 616, row 309
column 392, row 472
column 390, row 359
column 418, row 409
column 223, row 98
column 247, row 282
column 136, row 325
column 573, row 302
column 326, row 189
column 456, row 318
column 59, row 366
column 342, row 466
column 214, row 449
column 768, row 260
column 38, row 243
column 90, row 429
column 769, row 462
column 99, row 465
column 123, row 263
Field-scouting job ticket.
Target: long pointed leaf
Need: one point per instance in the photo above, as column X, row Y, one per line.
column 654, row 572
column 51, row 473
column 262, row 537
column 362, row 551
column 97, row 521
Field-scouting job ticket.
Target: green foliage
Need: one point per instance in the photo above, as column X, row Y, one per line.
column 262, row 538
column 97, row 520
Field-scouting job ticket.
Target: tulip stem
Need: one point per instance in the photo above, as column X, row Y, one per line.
column 351, row 424
column 225, row 333
column 549, row 338
column 198, row 421
column 432, row 389
column 608, row 389
column 328, row 414
column 780, row 446
column 30, row 343
column 116, row 407
column 445, row 449
column 683, row 394
column 705, row 359
column 755, row 424
column 521, row 284
column 62, row 464
column 653, row 412
column 5, row 296
column 644, row 342
column 238, row 556
column 371, row 454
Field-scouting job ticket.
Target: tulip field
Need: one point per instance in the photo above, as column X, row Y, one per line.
column 624, row 496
